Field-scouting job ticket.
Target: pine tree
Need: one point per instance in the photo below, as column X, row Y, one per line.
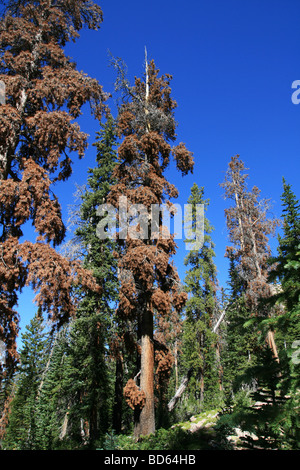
column 285, row 272
column 93, row 330
column 21, row 430
column 273, row 417
column 263, row 418
column 52, row 402
column 291, row 219
column 283, row 424
column 240, row 342
column 200, row 343
column 149, row 282
column 38, row 130
column 249, row 227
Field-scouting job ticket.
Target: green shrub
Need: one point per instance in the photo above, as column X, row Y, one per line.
column 164, row 439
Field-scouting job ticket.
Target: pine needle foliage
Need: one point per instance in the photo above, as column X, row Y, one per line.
column 199, row 341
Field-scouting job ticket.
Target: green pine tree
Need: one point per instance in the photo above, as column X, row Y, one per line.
column 286, row 276
column 240, row 343
column 285, row 272
column 52, row 403
column 266, row 418
column 199, row 341
column 92, row 331
column 22, row 426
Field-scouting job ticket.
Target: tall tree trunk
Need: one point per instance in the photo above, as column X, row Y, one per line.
column 145, row 422
column 117, row 410
column 272, row 344
column 201, row 398
column 176, row 364
column 270, row 335
column 219, row 366
column 239, row 205
column 184, row 384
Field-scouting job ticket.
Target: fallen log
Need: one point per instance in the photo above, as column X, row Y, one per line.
column 180, row 390
column 186, row 378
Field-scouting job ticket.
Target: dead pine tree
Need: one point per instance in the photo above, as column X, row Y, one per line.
column 44, row 94
column 249, row 225
column 149, row 281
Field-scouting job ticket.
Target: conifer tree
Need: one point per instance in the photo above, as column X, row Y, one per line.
column 273, row 378
column 52, row 403
column 149, row 282
column 38, row 131
column 93, row 331
column 249, row 227
column 285, row 272
column 200, row 343
column 264, row 415
column 240, row 342
column 277, row 423
column 21, row 430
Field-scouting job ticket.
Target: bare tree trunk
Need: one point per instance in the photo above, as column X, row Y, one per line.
column 145, row 423
column 64, row 427
column 257, row 266
column 176, row 364
column 219, row 367
column 117, row 410
column 180, row 390
column 270, row 335
column 239, row 205
column 272, row 344
column 186, row 379
column 46, row 368
column 201, row 386
column 219, row 321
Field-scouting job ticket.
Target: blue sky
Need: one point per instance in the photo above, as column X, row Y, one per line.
column 233, row 64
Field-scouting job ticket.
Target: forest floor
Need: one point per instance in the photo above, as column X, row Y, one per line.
column 200, row 432
column 205, row 434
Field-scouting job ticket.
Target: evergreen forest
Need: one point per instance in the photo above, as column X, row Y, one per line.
column 121, row 352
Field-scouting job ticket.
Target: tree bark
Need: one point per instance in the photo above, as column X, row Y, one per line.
column 145, row 421
column 181, row 389
column 237, row 201
column 272, row 344
column 117, row 410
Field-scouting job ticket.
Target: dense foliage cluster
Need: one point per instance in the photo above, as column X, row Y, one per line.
column 44, row 93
